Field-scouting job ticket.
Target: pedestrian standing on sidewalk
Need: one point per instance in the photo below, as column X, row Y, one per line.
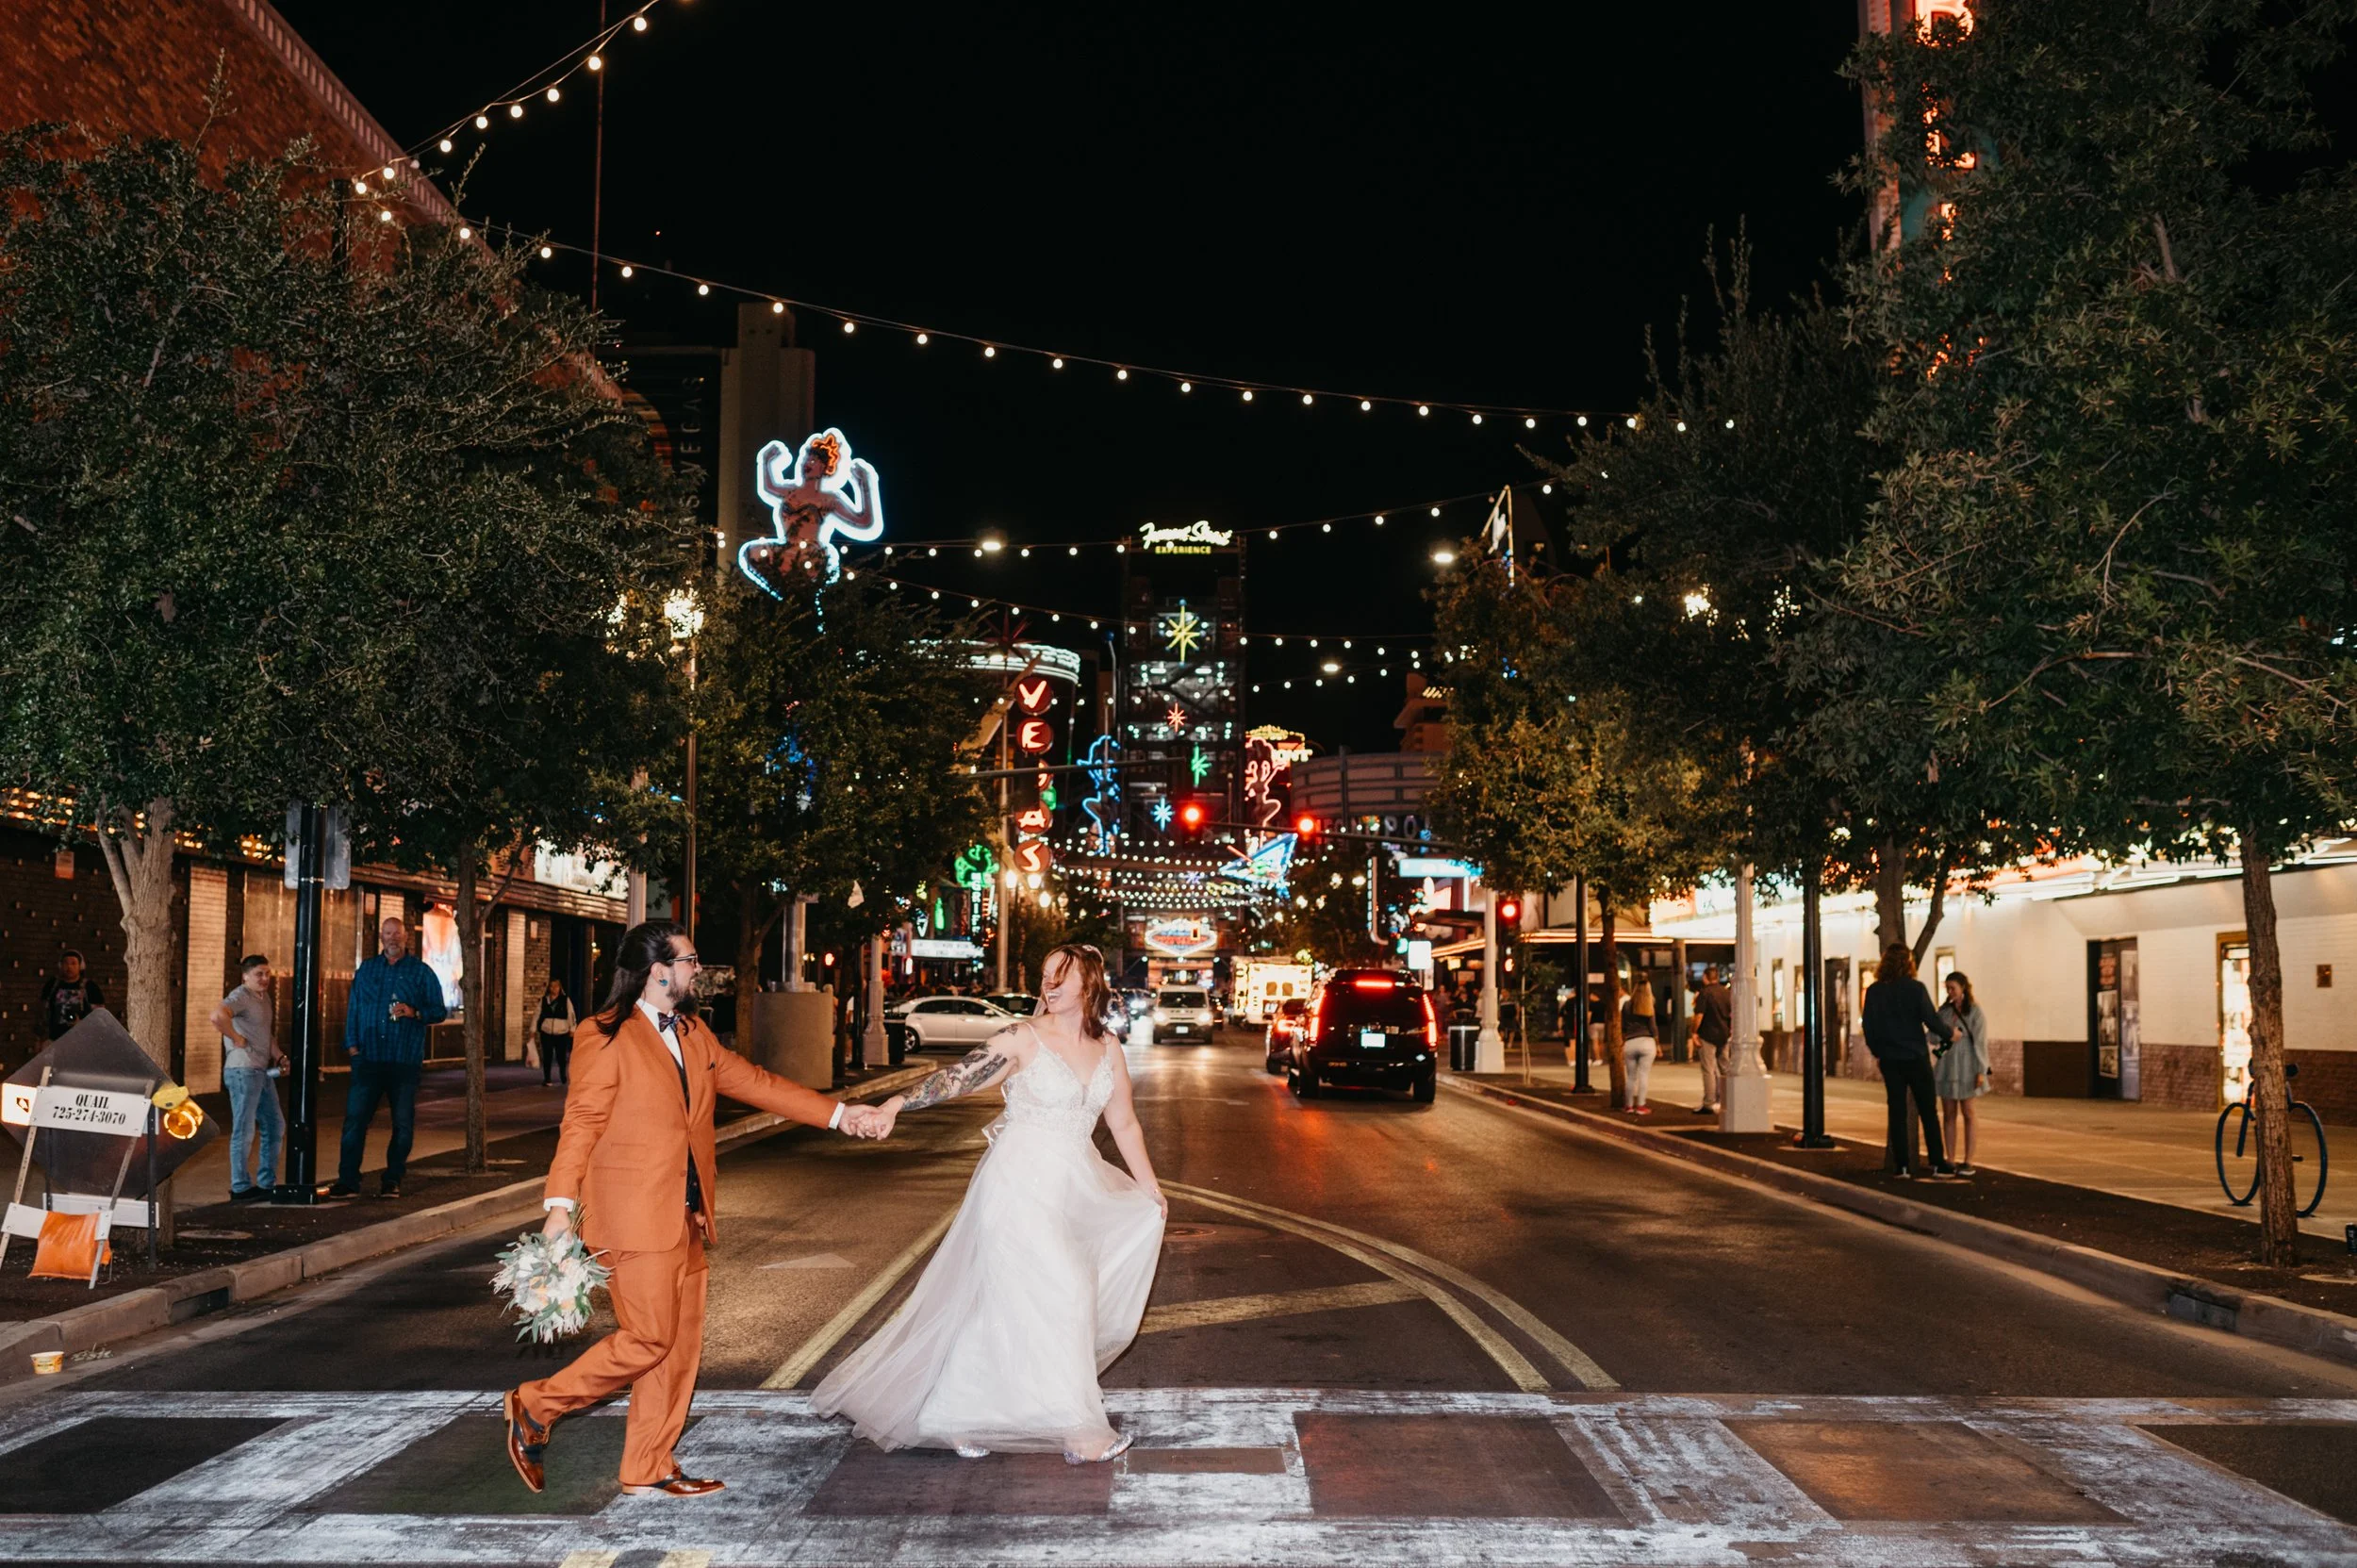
column 556, row 1030
column 394, row 999
column 68, row 996
column 1963, row 1071
column 247, row 1022
column 1898, row 1011
column 1714, row 1026
column 1638, row 1046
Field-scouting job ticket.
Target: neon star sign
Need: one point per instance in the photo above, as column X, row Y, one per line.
column 1199, row 765
column 1183, row 630
column 817, row 494
column 1176, row 719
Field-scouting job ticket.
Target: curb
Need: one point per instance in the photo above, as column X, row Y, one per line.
column 140, row 1312
column 2270, row 1320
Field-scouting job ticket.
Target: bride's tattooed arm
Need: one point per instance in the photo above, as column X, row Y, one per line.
column 980, row 1067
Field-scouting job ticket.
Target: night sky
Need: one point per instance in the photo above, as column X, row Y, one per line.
column 1486, row 207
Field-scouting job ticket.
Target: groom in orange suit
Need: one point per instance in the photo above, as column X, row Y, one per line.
column 635, row 1165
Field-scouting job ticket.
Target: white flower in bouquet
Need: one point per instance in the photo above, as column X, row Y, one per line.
column 548, row 1281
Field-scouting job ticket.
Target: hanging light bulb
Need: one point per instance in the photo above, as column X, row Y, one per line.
column 1366, row 405
column 1121, row 374
column 923, row 338
column 1530, row 423
column 1305, row 400
column 1247, row 394
column 1476, row 418
column 850, row 328
column 444, row 145
column 465, row 232
column 989, row 353
column 360, row 188
column 483, row 121
column 1186, row 386
column 628, row 270
column 547, row 252
column 595, row 63
column 703, row 289
column 553, row 95
column 637, row 24
column 515, row 111
column 1057, row 363
column 384, row 214
column 777, row 307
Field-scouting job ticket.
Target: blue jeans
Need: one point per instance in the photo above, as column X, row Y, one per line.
column 373, row 1082
column 252, row 1096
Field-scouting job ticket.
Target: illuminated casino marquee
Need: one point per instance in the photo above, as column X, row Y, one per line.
column 1196, row 538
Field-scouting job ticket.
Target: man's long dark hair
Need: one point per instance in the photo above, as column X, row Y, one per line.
column 644, row 946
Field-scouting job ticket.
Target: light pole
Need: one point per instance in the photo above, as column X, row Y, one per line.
column 1578, row 1031
column 687, row 617
column 1812, row 1011
column 1743, row 1091
column 1489, row 1045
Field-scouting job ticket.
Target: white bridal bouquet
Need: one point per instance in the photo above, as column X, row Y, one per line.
column 547, row 1279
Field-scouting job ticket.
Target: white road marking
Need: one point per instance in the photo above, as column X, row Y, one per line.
column 817, row 1260
column 1573, row 1361
column 815, row 1348
column 1246, row 1309
column 1511, row 1362
column 1689, row 1489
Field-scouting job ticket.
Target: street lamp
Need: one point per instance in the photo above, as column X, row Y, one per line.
column 684, row 614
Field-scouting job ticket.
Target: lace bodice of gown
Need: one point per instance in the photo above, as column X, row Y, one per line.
column 1050, row 1095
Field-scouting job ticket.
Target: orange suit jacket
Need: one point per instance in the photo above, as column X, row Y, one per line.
column 622, row 1155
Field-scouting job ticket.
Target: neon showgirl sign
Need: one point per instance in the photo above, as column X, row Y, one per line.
column 817, row 494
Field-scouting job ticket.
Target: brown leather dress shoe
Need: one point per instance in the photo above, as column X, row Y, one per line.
column 677, row 1484
column 527, row 1440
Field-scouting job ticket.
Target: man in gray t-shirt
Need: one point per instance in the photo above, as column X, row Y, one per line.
column 249, row 1057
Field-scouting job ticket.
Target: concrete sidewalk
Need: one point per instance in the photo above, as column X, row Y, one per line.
column 2141, row 1151
column 514, row 1102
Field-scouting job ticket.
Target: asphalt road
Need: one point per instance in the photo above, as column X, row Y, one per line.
column 1388, row 1259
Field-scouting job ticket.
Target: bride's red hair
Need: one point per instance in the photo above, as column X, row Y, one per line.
column 1097, row 992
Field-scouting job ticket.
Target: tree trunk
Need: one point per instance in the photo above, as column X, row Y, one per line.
column 2270, row 1097
column 469, row 873
column 1940, row 903
column 138, row 857
column 1890, row 895
column 751, row 936
column 1615, row 1066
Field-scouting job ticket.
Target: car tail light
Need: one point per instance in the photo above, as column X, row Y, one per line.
column 1431, row 1026
column 1372, row 982
column 1317, row 1005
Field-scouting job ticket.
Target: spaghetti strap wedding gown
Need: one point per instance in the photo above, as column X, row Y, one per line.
column 1038, row 1285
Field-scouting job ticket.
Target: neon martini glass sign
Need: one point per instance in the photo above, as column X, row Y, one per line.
column 818, row 493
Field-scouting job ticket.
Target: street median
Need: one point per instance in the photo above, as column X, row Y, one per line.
column 2156, row 1282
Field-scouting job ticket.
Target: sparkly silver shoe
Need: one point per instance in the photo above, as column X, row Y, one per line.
column 1121, row 1446
column 972, row 1451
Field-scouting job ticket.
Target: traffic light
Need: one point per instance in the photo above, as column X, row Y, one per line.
column 1306, row 825
column 1510, row 910
column 1192, row 816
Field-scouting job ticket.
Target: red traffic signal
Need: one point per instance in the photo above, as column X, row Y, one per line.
column 1509, row 912
column 1306, row 825
column 1192, row 815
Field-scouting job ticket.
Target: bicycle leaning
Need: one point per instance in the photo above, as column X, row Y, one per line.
column 2238, row 1150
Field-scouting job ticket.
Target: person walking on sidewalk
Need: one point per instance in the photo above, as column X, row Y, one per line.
column 1963, row 1071
column 1638, row 1045
column 1898, row 1010
column 247, row 1023
column 394, row 999
column 1714, row 1026
column 556, row 1030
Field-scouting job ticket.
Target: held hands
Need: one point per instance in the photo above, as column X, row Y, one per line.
column 869, row 1121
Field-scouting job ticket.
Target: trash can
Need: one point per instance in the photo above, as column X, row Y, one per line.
column 1462, row 1042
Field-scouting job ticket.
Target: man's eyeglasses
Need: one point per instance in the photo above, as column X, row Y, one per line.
column 686, row 958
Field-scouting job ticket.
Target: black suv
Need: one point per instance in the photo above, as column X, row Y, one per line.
column 1368, row 1027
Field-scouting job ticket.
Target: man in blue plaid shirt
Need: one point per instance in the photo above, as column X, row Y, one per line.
column 394, row 999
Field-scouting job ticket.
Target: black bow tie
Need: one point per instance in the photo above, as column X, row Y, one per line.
column 668, row 1022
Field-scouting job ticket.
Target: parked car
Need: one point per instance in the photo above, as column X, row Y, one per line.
column 1368, row 1027
column 1183, row 1012
column 1021, row 1003
column 1284, row 1031
column 959, row 1023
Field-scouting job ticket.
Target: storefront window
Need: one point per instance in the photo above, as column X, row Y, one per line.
column 2234, row 1017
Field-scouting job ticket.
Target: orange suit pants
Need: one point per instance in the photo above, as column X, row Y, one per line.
column 654, row 1351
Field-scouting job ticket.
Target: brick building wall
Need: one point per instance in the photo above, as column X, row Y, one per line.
column 41, row 914
column 146, row 68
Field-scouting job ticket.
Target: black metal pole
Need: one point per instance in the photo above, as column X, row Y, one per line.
column 1812, row 1013
column 155, row 1199
column 1579, row 985
column 302, row 1183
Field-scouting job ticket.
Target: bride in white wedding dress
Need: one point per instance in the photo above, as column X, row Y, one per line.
column 1043, row 1275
